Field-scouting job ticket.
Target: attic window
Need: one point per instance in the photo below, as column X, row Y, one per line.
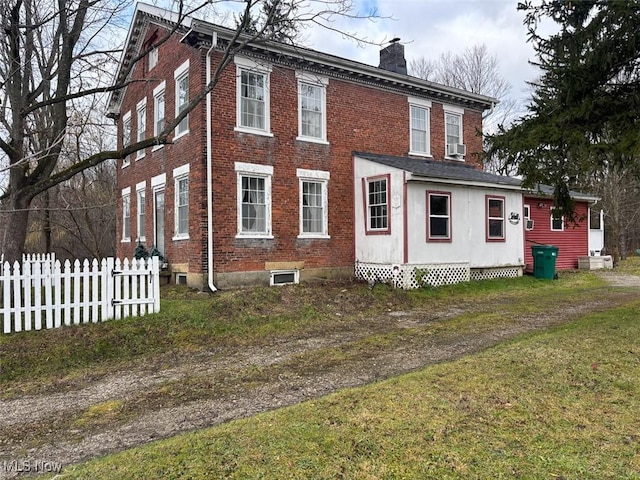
column 153, row 58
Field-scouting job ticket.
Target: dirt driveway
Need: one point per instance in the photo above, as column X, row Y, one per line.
column 76, row 424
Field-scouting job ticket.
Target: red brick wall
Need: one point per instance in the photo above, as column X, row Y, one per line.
column 360, row 118
column 189, row 148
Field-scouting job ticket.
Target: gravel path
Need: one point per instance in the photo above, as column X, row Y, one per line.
column 33, row 428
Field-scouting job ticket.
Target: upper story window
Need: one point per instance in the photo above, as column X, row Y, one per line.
column 557, row 220
column 181, row 195
column 419, row 125
column 181, row 76
column 254, row 199
column 312, row 106
column 153, row 58
column 126, row 214
column 252, row 102
column 126, row 136
column 141, row 117
column 454, row 143
column 495, row 219
column 158, row 110
column 313, row 203
column 376, row 191
column 439, row 213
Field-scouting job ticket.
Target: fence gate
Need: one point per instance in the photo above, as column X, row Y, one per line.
column 135, row 287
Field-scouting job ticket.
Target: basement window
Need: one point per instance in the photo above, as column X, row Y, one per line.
column 181, row 278
column 284, row 277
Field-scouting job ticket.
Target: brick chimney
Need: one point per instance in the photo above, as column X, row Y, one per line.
column 392, row 57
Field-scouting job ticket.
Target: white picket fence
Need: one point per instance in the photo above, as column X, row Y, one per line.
column 43, row 293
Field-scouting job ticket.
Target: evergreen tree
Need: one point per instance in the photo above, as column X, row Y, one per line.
column 584, row 115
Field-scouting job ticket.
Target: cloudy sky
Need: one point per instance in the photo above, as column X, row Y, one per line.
column 431, row 27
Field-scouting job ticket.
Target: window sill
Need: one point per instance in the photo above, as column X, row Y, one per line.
column 439, row 240
column 140, row 157
column 157, row 147
column 142, row 239
column 125, row 165
column 420, row 154
column 496, row 240
column 263, row 133
column 314, row 236
column 180, row 135
column 254, row 236
column 319, row 141
column 180, row 237
column 125, row 240
column 457, row 159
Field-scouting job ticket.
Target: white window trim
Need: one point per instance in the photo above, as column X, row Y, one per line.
column 247, row 64
column 526, row 209
column 126, row 161
column 426, row 104
column 142, row 104
column 159, row 180
column 551, row 221
column 126, row 192
column 254, row 170
column 448, row 236
column 367, row 184
column 502, row 218
column 316, row 81
column 450, row 109
column 161, row 88
column 140, row 188
column 179, row 173
column 322, row 177
column 180, row 72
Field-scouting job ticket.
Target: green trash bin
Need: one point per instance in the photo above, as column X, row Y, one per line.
column 544, row 261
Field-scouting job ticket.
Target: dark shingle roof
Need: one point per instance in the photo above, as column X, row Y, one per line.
column 440, row 169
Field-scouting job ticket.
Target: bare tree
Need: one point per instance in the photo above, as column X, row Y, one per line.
column 474, row 70
column 53, row 54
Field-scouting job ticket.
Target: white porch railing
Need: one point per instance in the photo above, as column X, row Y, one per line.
column 40, row 293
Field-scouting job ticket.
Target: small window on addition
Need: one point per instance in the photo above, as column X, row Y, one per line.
column 181, row 278
column 284, row 277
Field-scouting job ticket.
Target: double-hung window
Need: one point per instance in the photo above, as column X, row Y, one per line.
column 158, row 110
column 557, row 220
column 254, row 199
column 376, row 190
column 313, row 203
column 181, row 76
column 141, row 208
column 312, row 106
column 419, row 119
column 141, row 117
column 495, row 218
column 454, row 147
column 126, row 214
column 252, row 96
column 126, row 136
column 181, row 196
column 439, row 216
column 153, row 58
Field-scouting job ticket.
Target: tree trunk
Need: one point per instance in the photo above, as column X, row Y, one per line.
column 47, row 222
column 17, row 223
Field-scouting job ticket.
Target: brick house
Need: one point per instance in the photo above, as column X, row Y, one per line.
column 259, row 185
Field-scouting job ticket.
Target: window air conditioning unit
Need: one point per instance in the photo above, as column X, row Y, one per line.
column 456, row 149
column 528, row 224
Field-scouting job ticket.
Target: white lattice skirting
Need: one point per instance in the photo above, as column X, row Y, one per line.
column 433, row 274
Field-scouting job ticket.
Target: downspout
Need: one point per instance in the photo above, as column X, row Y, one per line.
column 212, row 287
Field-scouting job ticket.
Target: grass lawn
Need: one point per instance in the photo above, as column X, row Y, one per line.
column 558, row 404
column 561, row 404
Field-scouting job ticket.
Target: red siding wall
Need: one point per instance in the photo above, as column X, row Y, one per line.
column 359, row 118
column 572, row 242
